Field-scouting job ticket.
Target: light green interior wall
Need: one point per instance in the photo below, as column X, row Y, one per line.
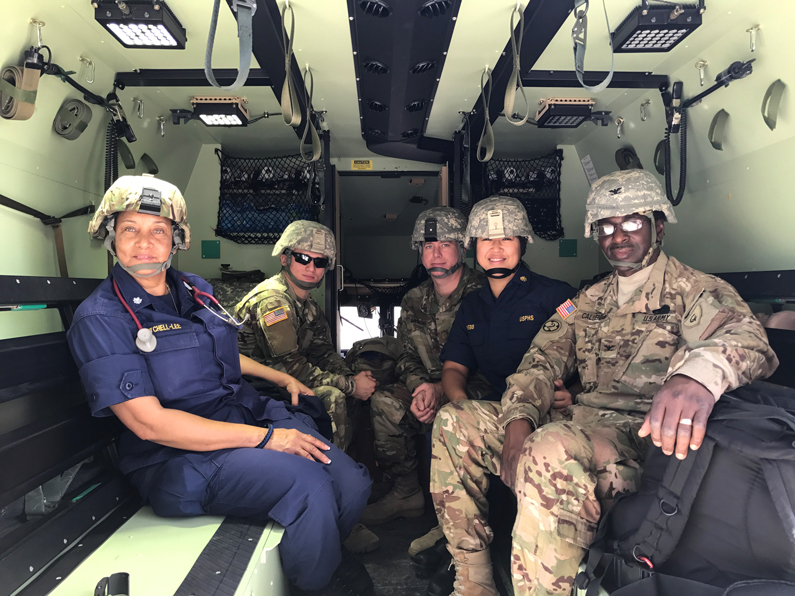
column 55, row 176
column 737, row 211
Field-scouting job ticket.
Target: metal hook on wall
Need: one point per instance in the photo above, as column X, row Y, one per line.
column 643, row 114
column 38, row 24
column 701, row 65
column 89, row 64
column 619, row 127
column 752, row 31
column 138, row 106
column 162, row 122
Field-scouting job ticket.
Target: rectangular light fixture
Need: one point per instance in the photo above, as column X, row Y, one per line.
column 221, row 111
column 558, row 112
column 141, row 23
column 656, row 29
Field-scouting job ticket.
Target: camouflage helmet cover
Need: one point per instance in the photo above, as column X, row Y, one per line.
column 623, row 193
column 308, row 235
column 450, row 225
column 159, row 198
column 498, row 217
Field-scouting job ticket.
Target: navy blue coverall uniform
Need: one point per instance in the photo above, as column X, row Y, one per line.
column 492, row 334
column 196, row 368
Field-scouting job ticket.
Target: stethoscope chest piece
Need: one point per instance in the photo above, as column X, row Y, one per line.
column 145, row 340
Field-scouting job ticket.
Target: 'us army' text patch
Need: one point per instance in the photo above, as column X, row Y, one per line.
column 274, row 316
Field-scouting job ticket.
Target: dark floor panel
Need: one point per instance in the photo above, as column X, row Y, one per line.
column 389, row 565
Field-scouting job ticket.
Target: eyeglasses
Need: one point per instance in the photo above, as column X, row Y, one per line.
column 304, row 259
column 628, row 225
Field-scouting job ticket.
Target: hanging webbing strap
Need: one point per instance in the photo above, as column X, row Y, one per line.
column 486, row 142
column 579, row 37
column 771, row 102
column 516, row 73
column 309, row 124
column 291, row 111
column 52, row 221
column 245, row 10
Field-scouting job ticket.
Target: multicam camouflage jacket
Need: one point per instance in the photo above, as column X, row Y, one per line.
column 681, row 321
column 424, row 325
column 291, row 336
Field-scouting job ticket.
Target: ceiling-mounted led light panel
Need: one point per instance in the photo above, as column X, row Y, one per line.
column 557, row 112
column 221, row 111
column 660, row 29
column 141, row 23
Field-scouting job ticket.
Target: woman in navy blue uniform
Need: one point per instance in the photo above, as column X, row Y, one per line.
column 495, row 325
column 156, row 350
column 493, row 329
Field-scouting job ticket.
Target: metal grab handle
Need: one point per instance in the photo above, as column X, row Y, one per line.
column 752, row 31
column 138, row 105
column 643, row 115
column 619, row 127
column 38, row 25
column 162, row 122
column 340, row 277
column 90, row 64
column 701, row 65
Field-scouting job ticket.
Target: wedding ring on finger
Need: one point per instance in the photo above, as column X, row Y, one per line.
column 686, row 422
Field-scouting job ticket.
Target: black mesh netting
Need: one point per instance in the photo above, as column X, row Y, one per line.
column 534, row 182
column 260, row 197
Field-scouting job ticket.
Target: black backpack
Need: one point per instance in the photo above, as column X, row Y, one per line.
column 718, row 522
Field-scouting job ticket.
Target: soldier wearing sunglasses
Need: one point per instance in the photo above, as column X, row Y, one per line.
column 287, row 330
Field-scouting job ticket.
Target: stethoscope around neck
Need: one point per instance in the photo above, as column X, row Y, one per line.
column 146, row 341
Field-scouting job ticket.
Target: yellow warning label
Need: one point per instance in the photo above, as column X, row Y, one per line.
column 361, row 164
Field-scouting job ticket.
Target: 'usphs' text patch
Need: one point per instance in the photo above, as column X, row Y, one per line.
column 274, row 316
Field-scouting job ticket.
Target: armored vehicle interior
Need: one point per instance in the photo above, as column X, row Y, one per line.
column 397, row 106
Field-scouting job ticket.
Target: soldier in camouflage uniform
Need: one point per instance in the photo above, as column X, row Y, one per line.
column 287, row 330
column 404, row 410
column 656, row 343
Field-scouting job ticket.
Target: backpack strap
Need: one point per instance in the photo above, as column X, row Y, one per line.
column 665, row 521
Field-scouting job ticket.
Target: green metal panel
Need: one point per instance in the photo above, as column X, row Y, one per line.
column 211, row 249
column 159, row 552
column 567, row 247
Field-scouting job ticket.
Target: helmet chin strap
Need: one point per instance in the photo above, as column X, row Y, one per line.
column 134, row 269
column 655, row 244
column 448, row 272
column 501, row 272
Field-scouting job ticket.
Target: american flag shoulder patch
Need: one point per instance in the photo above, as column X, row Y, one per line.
column 566, row 309
column 274, row 316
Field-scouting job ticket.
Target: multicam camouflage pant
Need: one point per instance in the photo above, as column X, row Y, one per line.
column 567, row 471
column 395, row 428
column 335, row 402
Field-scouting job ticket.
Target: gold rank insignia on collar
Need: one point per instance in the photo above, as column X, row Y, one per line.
column 523, row 278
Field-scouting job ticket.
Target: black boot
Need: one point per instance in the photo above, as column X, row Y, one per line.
column 427, row 561
column 441, row 583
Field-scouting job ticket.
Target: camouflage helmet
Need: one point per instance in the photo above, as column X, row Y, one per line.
column 142, row 194
column 498, row 217
column 307, row 235
column 623, row 193
column 439, row 223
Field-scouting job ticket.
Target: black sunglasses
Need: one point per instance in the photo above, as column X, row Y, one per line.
column 304, row 259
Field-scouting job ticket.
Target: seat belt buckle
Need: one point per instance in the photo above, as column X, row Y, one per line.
column 251, row 4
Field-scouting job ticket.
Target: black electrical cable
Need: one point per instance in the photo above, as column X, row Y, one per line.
column 111, row 155
column 682, row 161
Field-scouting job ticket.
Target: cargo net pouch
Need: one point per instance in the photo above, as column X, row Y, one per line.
column 535, row 183
column 260, row 197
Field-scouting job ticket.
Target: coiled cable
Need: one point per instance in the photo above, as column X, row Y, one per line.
column 682, row 161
